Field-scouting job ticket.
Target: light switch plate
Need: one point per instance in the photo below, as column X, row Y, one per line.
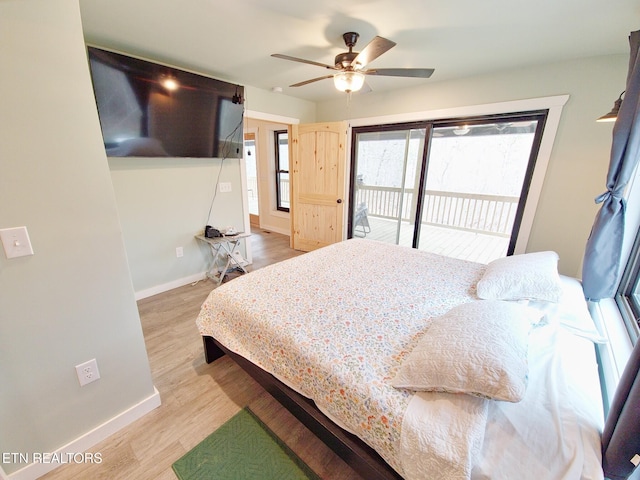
column 225, row 187
column 16, row 242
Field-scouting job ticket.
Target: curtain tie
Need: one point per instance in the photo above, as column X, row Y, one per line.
column 607, row 195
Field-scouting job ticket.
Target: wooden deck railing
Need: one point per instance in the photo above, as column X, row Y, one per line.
column 489, row 214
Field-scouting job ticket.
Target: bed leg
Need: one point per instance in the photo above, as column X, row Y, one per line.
column 211, row 351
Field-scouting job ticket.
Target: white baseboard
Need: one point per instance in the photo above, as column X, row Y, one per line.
column 180, row 282
column 165, row 287
column 271, row 228
column 89, row 439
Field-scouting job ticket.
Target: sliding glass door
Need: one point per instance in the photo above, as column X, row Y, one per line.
column 387, row 178
column 453, row 187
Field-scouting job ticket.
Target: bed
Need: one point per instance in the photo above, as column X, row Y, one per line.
column 414, row 365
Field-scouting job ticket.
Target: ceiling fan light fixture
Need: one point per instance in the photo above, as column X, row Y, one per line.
column 348, row 81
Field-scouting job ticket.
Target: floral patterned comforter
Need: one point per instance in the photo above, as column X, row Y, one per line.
column 336, row 323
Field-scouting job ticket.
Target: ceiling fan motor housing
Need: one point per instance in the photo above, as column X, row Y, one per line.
column 350, row 39
column 345, row 59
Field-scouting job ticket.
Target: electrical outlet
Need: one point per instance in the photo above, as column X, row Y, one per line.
column 179, row 252
column 87, row 372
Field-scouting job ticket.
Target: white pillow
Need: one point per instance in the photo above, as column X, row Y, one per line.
column 479, row 348
column 519, row 277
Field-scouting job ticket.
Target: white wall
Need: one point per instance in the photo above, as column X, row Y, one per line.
column 276, row 104
column 164, row 202
column 73, row 300
column 580, row 157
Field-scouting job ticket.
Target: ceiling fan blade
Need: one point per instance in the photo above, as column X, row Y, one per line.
column 401, row 72
column 373, row 50
column 306, row 82
column 366, row 88
column 302, row 60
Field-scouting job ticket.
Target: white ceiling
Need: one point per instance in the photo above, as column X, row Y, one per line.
column 233, row 40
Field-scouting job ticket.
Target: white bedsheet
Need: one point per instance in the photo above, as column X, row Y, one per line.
column 563, row 396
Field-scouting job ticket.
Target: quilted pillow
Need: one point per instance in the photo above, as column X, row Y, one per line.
column 479, row 348
column 520, row 277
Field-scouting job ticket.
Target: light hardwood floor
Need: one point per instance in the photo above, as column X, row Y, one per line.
column 196, row 398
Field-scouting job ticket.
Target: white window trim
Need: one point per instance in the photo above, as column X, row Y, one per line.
column 614, row 354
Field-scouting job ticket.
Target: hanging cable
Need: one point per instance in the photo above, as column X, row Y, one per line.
column 228, row 143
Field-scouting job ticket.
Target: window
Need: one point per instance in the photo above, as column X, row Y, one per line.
column 628, row 294
column 282, row 169
column 628, row 297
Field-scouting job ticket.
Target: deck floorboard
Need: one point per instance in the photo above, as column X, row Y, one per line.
column 475, row 247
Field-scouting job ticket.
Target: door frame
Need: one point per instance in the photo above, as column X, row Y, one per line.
column 429, row 125
column 554, row 106
column 254, row 220
column 275, row 220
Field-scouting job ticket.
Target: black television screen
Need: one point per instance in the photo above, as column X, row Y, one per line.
column 151, row 110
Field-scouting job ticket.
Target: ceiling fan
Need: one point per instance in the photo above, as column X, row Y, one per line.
column 350, row 66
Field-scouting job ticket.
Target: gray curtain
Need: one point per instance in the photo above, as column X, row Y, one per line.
column 601, row 266
column 621, row 435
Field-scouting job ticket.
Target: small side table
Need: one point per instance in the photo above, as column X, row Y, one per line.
column 225, row 248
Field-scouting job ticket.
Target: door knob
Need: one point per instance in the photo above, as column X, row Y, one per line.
column 339, row 200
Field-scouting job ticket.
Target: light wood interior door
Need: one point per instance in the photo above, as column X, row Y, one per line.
column 318, row 162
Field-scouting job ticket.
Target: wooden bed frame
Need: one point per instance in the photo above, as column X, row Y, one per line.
column 357, row 454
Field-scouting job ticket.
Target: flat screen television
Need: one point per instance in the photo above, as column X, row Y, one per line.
column 151, row 110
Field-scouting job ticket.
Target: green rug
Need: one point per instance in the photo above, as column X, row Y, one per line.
column 242, row 449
